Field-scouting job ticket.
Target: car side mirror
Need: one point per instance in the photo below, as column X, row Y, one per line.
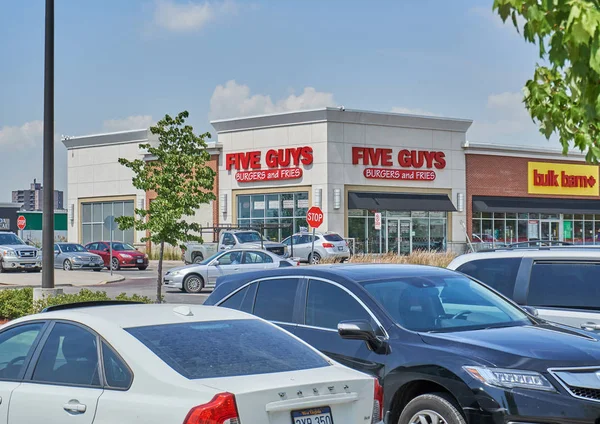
column 56, row 252
column 215, row 262
column 531, row 310
column 107, row 250
column 362, row 330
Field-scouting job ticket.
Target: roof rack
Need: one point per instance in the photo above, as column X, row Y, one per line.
column 89, row 304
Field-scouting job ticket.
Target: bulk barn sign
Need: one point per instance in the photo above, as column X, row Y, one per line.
column 276, row 165
column 414, row 165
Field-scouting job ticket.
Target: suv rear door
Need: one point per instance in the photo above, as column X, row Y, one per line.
column 566, row 291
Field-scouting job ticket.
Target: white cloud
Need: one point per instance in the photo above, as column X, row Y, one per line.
column 415, row 111
column 27, row 135
column 135, row 122
column 233, row 100
column 190, row 16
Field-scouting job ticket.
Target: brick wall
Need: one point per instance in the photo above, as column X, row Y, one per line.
column 502, row 176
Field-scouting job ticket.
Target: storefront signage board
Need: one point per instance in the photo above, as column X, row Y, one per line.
column 4, row 224
column 406, row 165
column 276, row 165
column 378, row 221
column 562, row 179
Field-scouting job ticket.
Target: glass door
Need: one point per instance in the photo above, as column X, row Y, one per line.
column 392, row 241
column 550, row 230
column 405, row 237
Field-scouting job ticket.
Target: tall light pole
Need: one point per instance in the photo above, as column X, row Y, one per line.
column 48, row 183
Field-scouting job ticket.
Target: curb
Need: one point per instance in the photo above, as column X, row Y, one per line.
column 114, row 280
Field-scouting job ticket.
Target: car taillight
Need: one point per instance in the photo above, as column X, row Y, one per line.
column 377, row 403
column 328, row 245
column 222, row 409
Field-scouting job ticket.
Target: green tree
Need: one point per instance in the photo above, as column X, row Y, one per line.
column 177, row 173
column 563, row 96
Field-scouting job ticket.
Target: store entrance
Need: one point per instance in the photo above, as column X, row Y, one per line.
column 550, row 230
column 399, row 236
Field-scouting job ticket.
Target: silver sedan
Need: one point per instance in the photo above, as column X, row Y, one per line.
column 193, row 278
column 69, row 256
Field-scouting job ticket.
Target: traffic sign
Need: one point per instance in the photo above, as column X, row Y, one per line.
column 21, row 222
column 378, row 221
column 314, row 217
column 110, row 223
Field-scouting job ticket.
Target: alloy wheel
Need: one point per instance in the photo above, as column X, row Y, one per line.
column 67, row 265
column 427, row 416
column 115, row 264
column 193, row 284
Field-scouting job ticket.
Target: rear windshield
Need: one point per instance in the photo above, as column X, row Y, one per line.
column 333, row 237
column 227, row 348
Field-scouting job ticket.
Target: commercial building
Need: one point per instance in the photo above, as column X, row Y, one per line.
column 8, row 216
column 387, row 182
column 32, row 199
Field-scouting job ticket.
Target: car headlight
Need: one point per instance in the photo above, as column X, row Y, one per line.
column 510, row 378
column 174, row 273
column 9, row 253
column 125, row 256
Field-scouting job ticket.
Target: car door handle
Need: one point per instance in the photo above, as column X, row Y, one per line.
column 590, row 326
column 75, row 406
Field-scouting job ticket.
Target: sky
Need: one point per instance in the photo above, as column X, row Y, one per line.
column 123, row 65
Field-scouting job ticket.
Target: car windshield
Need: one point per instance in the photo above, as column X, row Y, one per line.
column 8, row 239
column 121, row 247
column 249, row 237
column 227, row 348
column 72, row 247
column 211, row 258
column 444, row 304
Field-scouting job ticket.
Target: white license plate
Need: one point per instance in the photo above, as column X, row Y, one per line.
column 140, row 261
column 321, row 415
column 340, row 247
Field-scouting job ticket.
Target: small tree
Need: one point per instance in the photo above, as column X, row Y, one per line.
column 178, row 174
column 564, row 96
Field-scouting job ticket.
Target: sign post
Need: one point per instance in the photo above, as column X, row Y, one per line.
column 314, row 218
column 110, row 224
column 378, row 228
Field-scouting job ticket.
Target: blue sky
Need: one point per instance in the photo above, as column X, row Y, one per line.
column 124, row 64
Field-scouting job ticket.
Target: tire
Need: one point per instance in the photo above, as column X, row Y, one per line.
column 431, row 406
column 142, row 268
column 97, row 269
column 193, row 284
column 2, row 269
column 115, row 264
column 198, row 258
column 314, row 259
column 67, row 265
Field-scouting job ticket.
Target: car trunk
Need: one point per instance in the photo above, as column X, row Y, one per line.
column 339, row 244
column 272, row 398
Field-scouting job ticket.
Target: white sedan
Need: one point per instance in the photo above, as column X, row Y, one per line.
column 162, row 364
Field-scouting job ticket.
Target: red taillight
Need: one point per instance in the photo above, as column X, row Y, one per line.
column 377, row 403
column 220, row 410
column 328, row 245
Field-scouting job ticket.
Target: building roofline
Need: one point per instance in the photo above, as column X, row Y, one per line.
column 11, row 205
column 339, row 115
column 519, row 151
column 118, row 137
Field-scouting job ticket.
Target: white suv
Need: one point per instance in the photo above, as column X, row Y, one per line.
column 561, row 283
column 327, row 246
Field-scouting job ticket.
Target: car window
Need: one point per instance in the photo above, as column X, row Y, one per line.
column 288, row 241
column 231, row 258
column 249, row 237
column 56, row 248
column 327, row 305
column 333, row 237
column 69, row 356
column 228, row 239
column 15, row 345
column 565, row 285
column 275, row 299
column 257, row 258
column 93, row 246
column 243, row 300
column 117, row 374
column 498, row 273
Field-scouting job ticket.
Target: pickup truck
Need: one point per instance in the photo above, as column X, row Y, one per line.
column 16, row 255
column 240, row 239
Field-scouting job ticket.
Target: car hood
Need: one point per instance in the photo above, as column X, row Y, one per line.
column 17, row 247
column 532, row 347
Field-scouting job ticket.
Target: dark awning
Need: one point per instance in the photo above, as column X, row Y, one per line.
column 535, row 204
column 400, row 202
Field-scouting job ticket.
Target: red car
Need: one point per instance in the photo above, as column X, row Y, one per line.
column 124, row 255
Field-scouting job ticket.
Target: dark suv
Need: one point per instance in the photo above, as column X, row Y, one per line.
column 446, row 348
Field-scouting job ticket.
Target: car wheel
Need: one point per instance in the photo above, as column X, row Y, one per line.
column 2, row 269
column 67, row 265
column 315, row 258
column 198, row 258
column 193, row 284
column 115, row 264
column 97, row 269
column 434, row 408
column 142, row 268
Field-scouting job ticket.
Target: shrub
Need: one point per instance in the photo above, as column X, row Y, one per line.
column 15, row 303
column 418, row 257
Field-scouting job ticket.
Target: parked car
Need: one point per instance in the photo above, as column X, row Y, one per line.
column 124, row 255
column 447, row 348
column 15, row 255
column 230, row 239
column 562, row 283
column 538, row 243
column 193, row 278
column 327, row 246
column 69, row 256
column 161, row 364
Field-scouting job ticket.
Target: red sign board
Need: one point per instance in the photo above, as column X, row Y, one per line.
column 399, row 174
column 414, row 165
column 268, row 175
column 314, row 217
column 21, row 222
column 279, row 164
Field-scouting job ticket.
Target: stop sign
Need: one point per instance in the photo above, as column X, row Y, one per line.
column 21, row 222
column 314, row 217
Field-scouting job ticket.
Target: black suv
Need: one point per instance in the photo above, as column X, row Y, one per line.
column 446, row 348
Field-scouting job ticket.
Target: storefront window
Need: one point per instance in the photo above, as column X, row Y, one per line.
column 588, row 227
column 522, row 232
column 93, row 216
column 578, row 231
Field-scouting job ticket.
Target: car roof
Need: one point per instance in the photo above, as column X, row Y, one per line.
column 557, row 253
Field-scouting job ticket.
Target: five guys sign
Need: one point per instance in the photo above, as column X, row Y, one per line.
column 281, row 164
column 422, row 163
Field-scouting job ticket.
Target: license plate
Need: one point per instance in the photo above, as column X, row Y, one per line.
column 140, row 261
column 321, row 415
column 28, row 265
column 340, row 247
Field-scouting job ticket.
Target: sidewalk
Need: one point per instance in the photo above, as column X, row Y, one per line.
column 61, row 278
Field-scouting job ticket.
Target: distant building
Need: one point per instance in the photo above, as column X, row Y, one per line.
column 33, row 198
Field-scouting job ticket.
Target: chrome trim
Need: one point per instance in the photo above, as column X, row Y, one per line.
column 554, row 373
